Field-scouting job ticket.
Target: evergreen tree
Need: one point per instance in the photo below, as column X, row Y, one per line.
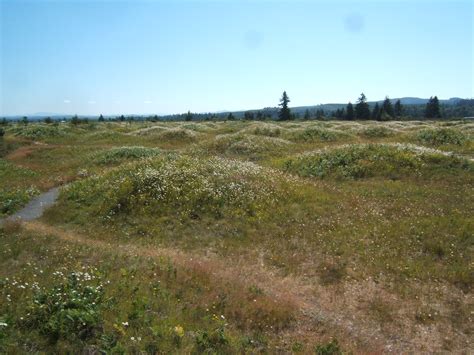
column 387, row 107
column 398, row 109
column 101, row 118
column 307, row 115
column 259, row 116
column 75, row 120
column 2, row 132
column 248, row 116
column 24, row 120
column 189, row 116
column 230, row 116
column 350, row 112
column 432, row 108
column 284, row 114
column 48, row 120
column 362, row 110
column 3, row 122
column 376, row 112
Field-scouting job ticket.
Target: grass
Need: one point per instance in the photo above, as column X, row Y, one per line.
column 294, row 232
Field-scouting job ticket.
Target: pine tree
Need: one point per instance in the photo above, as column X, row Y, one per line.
column 284, row 114
column 432, row 108
column 307, row 115
column 387, row 106
column 398, row 109
column 24, row 120
column 350, row 112
column 230, row 116
column 376, row 112
column 48, row 120
column 362, row 110
column 189, row 116
column 101, row 118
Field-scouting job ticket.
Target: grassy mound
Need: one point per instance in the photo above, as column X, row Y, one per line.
column 362, row 161
column 178, row 134
column 376, row 132
column 264, row 129
column 39, row 131
column 441, row 136
column 120, row 154
column 174, row 185
column 314, row 134
column 246, row 144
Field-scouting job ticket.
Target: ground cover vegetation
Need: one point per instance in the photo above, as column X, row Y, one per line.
column 286, row 236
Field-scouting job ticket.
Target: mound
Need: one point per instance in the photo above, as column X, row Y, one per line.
column 178, row 134
column 441, row 136
column 120, row 154
column 177, row 186
column 384, row 160
column 376, row 132
column 39, row 131
column 238, row 143
column 264, row 129
column 315, row 134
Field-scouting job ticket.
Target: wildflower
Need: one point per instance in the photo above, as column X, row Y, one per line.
column 179, row 331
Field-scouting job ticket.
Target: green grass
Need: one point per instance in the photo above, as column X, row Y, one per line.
column 363, row 223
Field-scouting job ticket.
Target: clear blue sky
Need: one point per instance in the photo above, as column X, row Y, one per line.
column 92, row 57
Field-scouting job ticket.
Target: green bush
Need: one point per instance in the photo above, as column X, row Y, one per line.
column 361, row 161
column 120, row 154
column 70, row 310
column 441, row 136
column 213, row 342
column 331, row 348
column 2, row 132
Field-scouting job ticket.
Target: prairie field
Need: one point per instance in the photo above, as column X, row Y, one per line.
column 323, row 237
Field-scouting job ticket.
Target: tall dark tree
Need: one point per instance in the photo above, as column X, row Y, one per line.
column 432, row 108
column 398, row 109
column 350, row 112
column 2, row 132
column 48, row 120
column 388, row 107
column 75, row 120
column 362, row 110
column 189, row 116
column 284, row 114
column 101, row 118
column 249, row 116
column 230, row 116
column 377, row 112
column 307, row 115
column 24, row 120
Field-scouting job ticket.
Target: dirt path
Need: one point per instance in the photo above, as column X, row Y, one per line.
column 314, row 312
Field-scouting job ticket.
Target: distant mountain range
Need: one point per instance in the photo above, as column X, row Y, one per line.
column 298, row 109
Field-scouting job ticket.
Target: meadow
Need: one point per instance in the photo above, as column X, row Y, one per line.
column 323, row 237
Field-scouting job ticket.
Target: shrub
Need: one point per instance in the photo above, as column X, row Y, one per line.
column 441, row 136
column 361, row 161
column 70, row 310
column 246, row 144
column 331, row 348
column 117, row 155
column 2, row 132
column 178, row 134
column 212, row 342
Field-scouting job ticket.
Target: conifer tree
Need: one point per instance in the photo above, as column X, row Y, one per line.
column 350, row 112
column 362, row 110
column 387, row 107
column 398, row 108
column 284, row 114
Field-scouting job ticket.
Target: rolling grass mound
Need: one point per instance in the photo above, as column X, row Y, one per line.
column 315, row 134
column 372, row 160
column 246, row 144
column 177, row 186
column 264, row 129
column 441, row 136
column 120, row 154
column 376, row 132
column 39, row 131
column 178, row 134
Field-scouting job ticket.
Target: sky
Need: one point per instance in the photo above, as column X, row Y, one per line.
column 161, row 57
